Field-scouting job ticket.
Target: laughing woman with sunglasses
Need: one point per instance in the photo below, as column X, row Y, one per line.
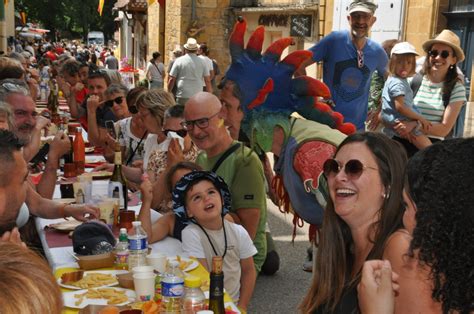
column 441, row 93
column 365, row 182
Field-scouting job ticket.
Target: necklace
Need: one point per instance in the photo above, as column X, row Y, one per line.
column 209, row 239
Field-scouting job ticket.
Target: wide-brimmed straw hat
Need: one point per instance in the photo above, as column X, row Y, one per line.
column 191, row 44
column 449, row 38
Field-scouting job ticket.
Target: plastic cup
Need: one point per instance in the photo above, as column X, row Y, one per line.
column 106, row 208
column 125, row 219
column 157, row 261
column 86, row 181
column 79, row 192
column 69, row 170
column 144, row 286
column 143, row 270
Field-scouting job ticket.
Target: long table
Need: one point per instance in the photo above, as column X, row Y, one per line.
column 58, row 250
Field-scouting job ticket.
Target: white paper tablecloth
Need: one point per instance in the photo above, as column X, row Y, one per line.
column 60, row 257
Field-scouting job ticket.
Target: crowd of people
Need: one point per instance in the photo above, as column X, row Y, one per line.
column 387, row 192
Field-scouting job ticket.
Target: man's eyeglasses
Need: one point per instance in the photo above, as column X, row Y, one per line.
column 201, row 123
column 181, row 132
column 117, row 100
column 360, row 59
column 443, row 53
column 353, row 168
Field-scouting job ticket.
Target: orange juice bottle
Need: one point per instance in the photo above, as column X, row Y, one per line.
column 79, row 149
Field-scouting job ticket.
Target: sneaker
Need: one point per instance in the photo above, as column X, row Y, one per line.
column 271, row 264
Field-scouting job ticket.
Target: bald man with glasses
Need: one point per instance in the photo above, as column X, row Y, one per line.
column 236, row 164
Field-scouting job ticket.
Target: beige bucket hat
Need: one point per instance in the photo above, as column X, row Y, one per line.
column 449, row 38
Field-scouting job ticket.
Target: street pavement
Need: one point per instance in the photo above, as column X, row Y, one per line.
column 282, row 292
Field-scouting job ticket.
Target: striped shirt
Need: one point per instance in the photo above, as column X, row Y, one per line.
column 429, row 100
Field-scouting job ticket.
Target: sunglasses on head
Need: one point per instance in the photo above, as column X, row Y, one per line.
column 443, row 53
column 181, row 132
column 117, row 100
column 353, row 168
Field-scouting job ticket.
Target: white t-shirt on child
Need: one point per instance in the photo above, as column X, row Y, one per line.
column 239, row 246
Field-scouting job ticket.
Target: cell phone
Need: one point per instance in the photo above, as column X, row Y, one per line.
column 109, row 125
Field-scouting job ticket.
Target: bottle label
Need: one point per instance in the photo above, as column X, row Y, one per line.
column 138, row 244
column 117, row 187
column 172, row 289
column 118, row 158
column 121, row 260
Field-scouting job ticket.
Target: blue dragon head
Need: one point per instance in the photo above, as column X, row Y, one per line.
column 270, row 93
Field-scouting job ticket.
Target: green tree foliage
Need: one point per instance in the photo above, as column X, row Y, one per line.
column 70, row 18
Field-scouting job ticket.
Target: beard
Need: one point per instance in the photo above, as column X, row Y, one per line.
column 23, row 132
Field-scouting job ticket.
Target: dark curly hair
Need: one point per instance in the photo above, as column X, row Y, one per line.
column 440, row 182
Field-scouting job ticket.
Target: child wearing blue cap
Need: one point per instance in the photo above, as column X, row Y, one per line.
column 202, row 198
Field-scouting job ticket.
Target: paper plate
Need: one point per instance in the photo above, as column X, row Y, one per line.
column 99, row 175
column 92, row 159
column 110, row 272
column 231, row 306
column 70, row 300
column 66, row 226
column 192, row 263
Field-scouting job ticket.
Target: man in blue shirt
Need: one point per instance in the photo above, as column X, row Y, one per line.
column 350, row 58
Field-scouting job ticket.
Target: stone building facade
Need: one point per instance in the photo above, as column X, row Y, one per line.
column 211, row 21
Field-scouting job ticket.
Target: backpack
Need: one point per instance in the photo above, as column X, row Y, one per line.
column 458, row 128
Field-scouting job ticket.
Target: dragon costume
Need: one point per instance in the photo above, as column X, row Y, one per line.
column 270, row 95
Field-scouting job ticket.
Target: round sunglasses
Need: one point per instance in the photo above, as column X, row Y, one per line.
column 181, row 132
column 443, row 53
column 353, row 168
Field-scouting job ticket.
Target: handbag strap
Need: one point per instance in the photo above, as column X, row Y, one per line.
column 136, row 148
column 157, row 68
column 224, row 156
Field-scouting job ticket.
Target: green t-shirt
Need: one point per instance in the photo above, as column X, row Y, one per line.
column 243, row 172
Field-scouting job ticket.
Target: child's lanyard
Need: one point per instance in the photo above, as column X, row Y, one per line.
column 208, row 238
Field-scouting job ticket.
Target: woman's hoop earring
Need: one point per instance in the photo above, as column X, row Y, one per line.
column 451, row 66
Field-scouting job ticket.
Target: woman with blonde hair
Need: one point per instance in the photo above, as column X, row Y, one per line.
column 365, row 181
column 26, row 282
column 150, row 107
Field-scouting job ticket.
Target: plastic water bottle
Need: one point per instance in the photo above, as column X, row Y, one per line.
column 121, row 251
column 172, row 289
column 194, row 299
column 138, row 246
